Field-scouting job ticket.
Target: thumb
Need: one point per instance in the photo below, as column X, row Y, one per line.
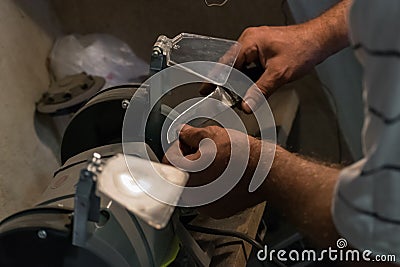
column 175, row 158
column 263, row 88
column 192, row 136
column 194, row 157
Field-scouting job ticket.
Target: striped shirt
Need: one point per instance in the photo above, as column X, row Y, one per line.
column 366, row 205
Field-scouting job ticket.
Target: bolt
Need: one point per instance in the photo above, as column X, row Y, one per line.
column 42, row 234
column 94, row 165
column 125, row 103
column 156, row 51
column 96, row 159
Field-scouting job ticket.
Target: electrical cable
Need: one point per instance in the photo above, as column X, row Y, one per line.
column 213, row 231
column 285, row 16
column 215, row 4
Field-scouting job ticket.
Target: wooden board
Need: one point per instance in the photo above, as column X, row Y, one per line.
column 230, row 251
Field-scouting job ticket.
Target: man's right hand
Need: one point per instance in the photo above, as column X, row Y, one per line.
column 289, row 52
column 286, row 54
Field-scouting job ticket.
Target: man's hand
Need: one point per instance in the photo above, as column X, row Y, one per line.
column 197, row 151
column 286, row 54
column 300, row 189
column 289, row 52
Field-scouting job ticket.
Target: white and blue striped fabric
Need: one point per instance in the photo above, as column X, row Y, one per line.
column 366, row 208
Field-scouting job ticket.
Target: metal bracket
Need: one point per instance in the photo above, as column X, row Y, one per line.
column 159, row 55
column 87, row 203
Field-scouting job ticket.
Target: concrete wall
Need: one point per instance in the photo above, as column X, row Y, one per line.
column 26, row 163
column 140, row 22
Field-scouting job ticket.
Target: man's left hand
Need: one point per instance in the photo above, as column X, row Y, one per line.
column 199, row 145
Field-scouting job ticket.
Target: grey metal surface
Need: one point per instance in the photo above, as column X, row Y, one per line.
column 98, row 123
column 140, row 244
column 69, row 92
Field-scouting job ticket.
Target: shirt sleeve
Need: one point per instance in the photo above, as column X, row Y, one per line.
column 366, row 204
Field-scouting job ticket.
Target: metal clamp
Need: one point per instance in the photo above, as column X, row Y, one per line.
column 159, row 55
column 87, row 204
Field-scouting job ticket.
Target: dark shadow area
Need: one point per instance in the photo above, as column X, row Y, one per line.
column 47, row 133
column 140, row 22
column 42, row 13
column 316, row 132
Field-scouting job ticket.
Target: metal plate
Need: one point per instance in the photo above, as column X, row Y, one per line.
column 67, row 95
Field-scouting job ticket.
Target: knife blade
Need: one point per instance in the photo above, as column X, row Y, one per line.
column 226, row 100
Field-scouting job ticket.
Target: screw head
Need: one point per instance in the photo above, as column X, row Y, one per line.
column 125, row 103
column 156, row 51
column 42, row 234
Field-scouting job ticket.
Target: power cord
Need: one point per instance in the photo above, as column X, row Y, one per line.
column 285, row 15
column 213, row 231
column 215, row 4
column 188, row 215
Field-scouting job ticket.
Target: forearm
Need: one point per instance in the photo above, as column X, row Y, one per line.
column 330, row 30
column 302, row 191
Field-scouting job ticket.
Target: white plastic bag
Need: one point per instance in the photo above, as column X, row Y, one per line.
column 97, row 54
